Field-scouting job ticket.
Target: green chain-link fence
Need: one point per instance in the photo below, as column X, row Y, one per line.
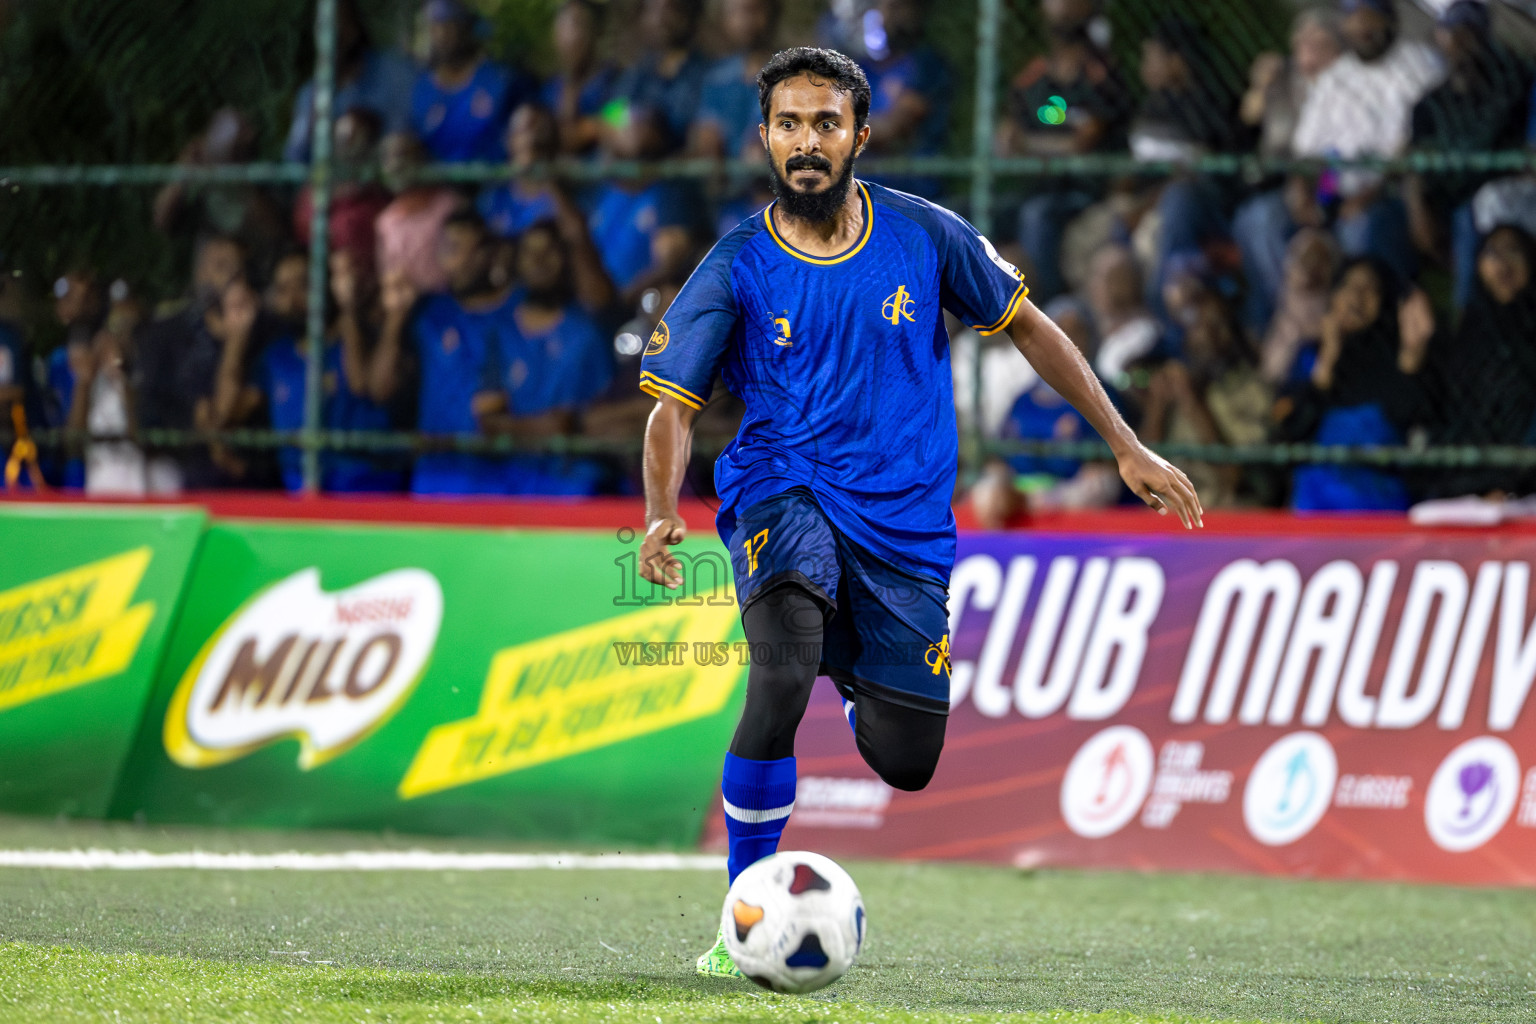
column 99, row 99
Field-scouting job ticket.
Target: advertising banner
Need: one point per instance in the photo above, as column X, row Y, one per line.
column 1331, row 705
column 87, row 597
column 508, row 683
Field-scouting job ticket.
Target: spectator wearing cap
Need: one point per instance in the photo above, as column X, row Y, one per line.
column 1482, row 105
column 553, row 360
column 668, row 75
column 641, row 227
column 460, row 104
column 366, row 78
column 909, row 86
column 1362, row 106
column 409, row 230
column 582, row 84
column 1066, row 102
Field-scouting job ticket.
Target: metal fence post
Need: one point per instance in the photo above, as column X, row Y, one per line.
column 987, row 13
column 319, row 236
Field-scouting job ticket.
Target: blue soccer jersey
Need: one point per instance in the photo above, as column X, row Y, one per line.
column 281, row 372
column 563, row 366
column 457, row 350
column 466, row 123
column 843, row 363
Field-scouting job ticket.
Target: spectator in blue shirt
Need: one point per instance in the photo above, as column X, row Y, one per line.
column 451, row 342
column 461, row 101
column 366, row 78
column 511, row 208
column 577, row 91
column 553, row 361
column 80, row 307
column 669, row 74
column 346, row 388
column 640, row 227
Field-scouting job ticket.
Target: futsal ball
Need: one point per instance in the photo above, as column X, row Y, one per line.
column 794, row 922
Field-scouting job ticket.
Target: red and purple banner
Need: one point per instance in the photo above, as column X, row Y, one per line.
column 1318, row 704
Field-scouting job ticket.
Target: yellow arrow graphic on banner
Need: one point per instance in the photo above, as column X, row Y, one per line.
column 72, row 628
column 572, row 692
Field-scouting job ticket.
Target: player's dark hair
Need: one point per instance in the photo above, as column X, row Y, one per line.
column 836, row 68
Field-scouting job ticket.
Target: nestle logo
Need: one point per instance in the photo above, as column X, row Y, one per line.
column 374, row 609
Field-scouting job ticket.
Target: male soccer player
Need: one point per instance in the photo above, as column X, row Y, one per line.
column 823, row 312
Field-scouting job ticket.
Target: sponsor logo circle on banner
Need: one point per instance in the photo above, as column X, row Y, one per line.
column 1290, row 788
column 1107, row 781
column 1472, row 794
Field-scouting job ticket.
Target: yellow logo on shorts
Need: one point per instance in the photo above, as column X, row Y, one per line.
column 659, row 338
column 753, row 546
column 937, row 655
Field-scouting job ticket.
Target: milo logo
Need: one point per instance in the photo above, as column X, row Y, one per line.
column 326, row 669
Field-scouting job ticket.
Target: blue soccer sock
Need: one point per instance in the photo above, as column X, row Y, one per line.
column 758, row 798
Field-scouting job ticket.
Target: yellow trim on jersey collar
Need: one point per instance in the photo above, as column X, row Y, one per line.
column 1013, row 307
column 656, row 387
column 826, row 261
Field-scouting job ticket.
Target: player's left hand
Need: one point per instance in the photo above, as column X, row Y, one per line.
column 1161, row 484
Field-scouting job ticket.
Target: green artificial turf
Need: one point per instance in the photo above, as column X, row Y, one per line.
column 947, row 942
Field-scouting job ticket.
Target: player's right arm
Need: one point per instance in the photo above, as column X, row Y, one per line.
column 668, row 447
column 678, row 370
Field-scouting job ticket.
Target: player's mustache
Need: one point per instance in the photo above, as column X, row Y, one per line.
column 807, row 162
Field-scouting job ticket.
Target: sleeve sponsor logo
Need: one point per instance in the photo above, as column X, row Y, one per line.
column 72, row 628
column 294, row 661
column 577, row 691
column 659, row 338
column 1002, row 264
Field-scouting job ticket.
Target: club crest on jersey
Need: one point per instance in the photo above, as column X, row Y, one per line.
column 781, row 330
column 659, row 338
column 898, row 304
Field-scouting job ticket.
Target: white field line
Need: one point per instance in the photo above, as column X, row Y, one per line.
column 355, row 860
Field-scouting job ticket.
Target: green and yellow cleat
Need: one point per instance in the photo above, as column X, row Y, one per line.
column 717, row 963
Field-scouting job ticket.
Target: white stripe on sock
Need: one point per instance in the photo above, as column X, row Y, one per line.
column 750, row 817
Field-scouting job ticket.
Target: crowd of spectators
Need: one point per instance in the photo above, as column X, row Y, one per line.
column 1215, row 309
column 1336, row 308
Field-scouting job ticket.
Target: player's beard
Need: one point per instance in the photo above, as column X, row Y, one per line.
column 814, row 207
